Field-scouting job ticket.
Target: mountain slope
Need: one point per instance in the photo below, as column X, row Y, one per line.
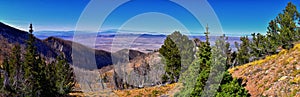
column 276, row 75
column 10, row 36
column 51, row 47
column 102, row 58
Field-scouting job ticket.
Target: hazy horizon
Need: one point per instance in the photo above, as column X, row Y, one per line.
column 237, row 17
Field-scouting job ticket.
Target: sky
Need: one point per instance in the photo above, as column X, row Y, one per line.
column 237, row 17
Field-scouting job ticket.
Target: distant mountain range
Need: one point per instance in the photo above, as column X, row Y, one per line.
column 50, row 47
column 108, row 33
column 142, row 41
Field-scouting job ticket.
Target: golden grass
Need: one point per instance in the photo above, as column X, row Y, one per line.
column 296, row 47
column 296, row 80
column 104, row 93
column 146, row 92
column 258, row 62
column 276, row 71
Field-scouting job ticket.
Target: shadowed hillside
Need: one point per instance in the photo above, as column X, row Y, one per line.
column 10, row 36
column 103, row 58
column 51, row 47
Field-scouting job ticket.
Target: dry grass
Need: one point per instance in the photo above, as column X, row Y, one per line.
column 267, row 77
column 296, row 80
column 258, row 62
column 105, row 93
column 146, row 92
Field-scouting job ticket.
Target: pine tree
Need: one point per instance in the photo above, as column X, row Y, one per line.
column 188, row 79
column 65, row 76
column 220, row 83
column 186, row 49
column 219, row 64
column 18, row 74
column 243, row 55
column 34, row 68
column 179, row 53
column 172, row 59
column 258, row 46
column 287, row 25
column 7, row 80
column 60, row 77
column 34, row 78
column 204, row 55
column 231, row 87
column 272, row 38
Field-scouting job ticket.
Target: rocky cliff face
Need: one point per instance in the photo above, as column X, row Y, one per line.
column 142, row 71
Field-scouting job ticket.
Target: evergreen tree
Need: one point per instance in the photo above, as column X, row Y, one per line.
column 34, row 68
column 286, row 22
column 231, row 87
column 179, row 53
column 64, row 76
column 258, row 46
column 172, row 59
column 60, row 78
column 243, row 55
column 186, row 48
column 8, row 70
column 29, row 63
column 272, row 38
column 209, row 81
column 219, row 64
column 188, row 79
column 18, row 73
column 204, row 55
column 34, row 78
column 282, row 31
column 221, row 83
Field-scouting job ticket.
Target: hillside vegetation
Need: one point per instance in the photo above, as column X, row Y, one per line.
column 276, row 75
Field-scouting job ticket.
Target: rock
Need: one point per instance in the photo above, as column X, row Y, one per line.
column 298, row 67
column 283, row 78
column 267, row 72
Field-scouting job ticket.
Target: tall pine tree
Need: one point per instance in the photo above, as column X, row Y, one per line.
column 34, row 68
column 18, row 74
column 204, row 55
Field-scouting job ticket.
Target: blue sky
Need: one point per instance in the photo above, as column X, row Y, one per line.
column 237, row 17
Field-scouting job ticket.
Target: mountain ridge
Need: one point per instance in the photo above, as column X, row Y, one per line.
column 51, row 47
